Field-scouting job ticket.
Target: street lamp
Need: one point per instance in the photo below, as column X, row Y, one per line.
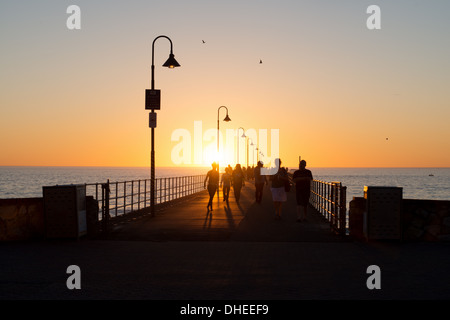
column 153, row 102
column 226, row 119
column 247, row 149
column 243, row 136
column 253, row 152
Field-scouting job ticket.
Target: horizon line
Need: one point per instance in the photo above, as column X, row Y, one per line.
column 207, row 166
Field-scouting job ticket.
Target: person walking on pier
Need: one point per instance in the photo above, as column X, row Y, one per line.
column 260, row 180
column 279, row 180
column 302, row 179
column 213, row 183
column 225, row 182
column 238, row 181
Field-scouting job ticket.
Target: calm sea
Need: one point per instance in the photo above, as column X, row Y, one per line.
column 417, row 183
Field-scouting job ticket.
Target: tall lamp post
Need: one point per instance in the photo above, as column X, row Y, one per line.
column 153, row 102
column 243, row 136
column 226, row 119
column 247, row 149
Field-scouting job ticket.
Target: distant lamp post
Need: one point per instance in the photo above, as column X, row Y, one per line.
column 247, row 149
column 226, row 119
column 262, row 155
column 153, row 102
column 243, row 136
column 253, row 152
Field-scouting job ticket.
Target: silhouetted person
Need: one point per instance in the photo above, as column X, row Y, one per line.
column 260, row 180
column 279, row 180
column 238, row 181
column 302, row 179
column 225, row 182
column 250, row 172
column 213, row 183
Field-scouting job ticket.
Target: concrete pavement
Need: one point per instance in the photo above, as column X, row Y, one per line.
column 237, row 252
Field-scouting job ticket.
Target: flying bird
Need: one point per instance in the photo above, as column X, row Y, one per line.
column 260, row 61
column 203, row 41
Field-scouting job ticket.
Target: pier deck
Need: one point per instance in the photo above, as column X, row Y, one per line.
column 238, row 253
column 189, row 220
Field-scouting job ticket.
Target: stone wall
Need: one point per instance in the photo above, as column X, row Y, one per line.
column 427, row 220
column 21, row 219
column 24, row 219
column 422, row 220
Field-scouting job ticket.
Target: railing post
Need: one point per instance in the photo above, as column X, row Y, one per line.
column 329, row 201
column 139, row 194
column 332, row 208
column 105, row 207
column 145, row 193
column 117, row 193
column 322, row 193
column 322, row 189
column 343, row 209
column 335, row 206
column 132, row 194
column 161, row 190
column 124, row 197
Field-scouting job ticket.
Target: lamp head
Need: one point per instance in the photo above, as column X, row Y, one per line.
column 171, row 62
column 227, row 118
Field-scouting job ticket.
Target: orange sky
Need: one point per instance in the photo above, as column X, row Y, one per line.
column 334, row 89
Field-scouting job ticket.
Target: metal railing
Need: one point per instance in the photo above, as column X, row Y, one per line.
column 329, row 199
column 117, row 198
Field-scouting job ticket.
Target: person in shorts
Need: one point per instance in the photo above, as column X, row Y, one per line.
column 302, row 179
column 213, row 184
column 278, row 181
column 225, row 182
column 260, row 180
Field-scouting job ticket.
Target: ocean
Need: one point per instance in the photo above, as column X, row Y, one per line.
column 417, row 183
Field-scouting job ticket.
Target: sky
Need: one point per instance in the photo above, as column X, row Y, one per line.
column 329, row 89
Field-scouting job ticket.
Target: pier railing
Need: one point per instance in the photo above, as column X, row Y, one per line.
column 117, row 198
column 329, row 199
